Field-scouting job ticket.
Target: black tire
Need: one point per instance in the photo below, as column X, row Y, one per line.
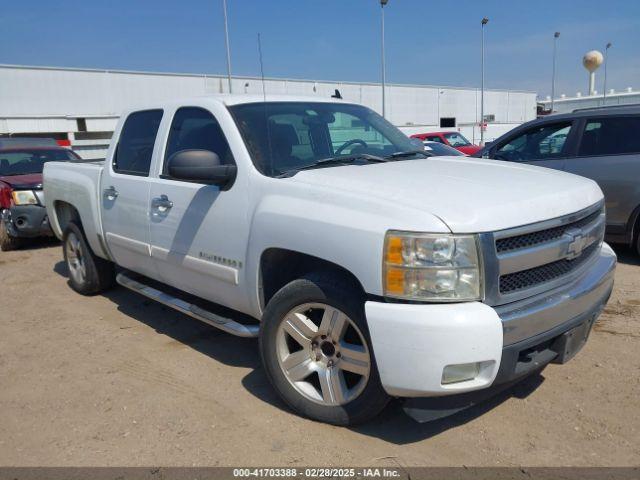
column 332, row 290
column 7, row 242
column 99, row 274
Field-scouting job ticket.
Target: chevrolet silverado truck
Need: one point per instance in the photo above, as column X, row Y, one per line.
column 367, row 268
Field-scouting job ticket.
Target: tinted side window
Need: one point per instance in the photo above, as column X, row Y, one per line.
column 135, row 147
column 435, row 139
column 195, row 128
column 538, row 143
column 610, row 136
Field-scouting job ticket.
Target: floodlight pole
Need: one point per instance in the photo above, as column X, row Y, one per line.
column 384, row 103
column 604, row 88
column 553, row 73
column 485, row 20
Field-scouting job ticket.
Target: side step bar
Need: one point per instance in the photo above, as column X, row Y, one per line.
column 226, row 324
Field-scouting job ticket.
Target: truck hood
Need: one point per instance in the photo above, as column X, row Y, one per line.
column 28, row 181
column 469, row 195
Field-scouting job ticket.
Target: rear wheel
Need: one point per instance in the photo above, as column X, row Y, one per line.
column 88, row 273
column 317, row 352
column 7, row 242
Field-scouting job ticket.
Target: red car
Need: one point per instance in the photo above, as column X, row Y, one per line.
column 22, row 210
column 453, row 139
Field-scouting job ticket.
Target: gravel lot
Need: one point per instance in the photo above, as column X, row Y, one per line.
column 118, row 380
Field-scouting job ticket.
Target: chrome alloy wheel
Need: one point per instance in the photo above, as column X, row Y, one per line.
column 323, row 354
column 75, row 258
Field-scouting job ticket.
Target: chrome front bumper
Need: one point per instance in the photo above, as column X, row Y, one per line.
column 544, row 312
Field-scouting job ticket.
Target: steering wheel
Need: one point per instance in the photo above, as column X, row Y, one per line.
column 349, row 143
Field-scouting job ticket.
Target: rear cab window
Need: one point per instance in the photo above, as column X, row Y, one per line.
column 135, row 146
column 615, row 135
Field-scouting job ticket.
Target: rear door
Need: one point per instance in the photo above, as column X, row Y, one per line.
column 125, row 192
column 609, row 153
column 544, row 145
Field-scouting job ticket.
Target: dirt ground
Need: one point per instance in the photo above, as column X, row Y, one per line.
column 118, row 380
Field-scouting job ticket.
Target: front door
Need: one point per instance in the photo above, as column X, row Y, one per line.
column 198, row 232
column 125, row 192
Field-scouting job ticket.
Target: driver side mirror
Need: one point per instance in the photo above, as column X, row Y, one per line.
column 201, row 166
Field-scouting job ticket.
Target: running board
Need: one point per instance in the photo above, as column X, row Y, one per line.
column 226, row 324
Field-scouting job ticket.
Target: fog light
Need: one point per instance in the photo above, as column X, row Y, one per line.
column 460, row 372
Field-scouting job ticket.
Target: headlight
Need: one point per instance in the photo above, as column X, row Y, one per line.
column 431, row 267
column 24, row 197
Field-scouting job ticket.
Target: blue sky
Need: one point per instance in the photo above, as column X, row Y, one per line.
column 427, row 41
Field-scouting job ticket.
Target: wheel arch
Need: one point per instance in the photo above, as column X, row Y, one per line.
column 279, row 266
column 65, row 213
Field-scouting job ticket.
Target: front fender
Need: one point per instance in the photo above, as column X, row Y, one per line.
column 346, row 232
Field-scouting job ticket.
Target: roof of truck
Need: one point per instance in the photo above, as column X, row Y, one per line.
column 230, row 100
column 239, row 98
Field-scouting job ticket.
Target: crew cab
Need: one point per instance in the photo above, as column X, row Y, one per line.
column 367, row 268
column 22, row 210
column 452, row 139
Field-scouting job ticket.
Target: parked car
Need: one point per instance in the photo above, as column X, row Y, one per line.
column 598, row 143
column 437, row 149
column 367, row 271
column 22, row 210
column 453, row 139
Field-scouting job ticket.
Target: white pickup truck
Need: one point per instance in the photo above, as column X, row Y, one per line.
column 367, row 269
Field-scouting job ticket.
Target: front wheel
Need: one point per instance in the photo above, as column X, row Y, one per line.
column 317, row 352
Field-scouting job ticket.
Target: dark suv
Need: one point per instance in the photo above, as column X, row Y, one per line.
column 599, row 143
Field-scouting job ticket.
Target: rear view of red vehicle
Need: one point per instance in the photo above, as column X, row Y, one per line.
column 22, row 211
column 453, row 139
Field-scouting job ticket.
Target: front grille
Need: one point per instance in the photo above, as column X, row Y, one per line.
column 513, row 282
column 542, row 236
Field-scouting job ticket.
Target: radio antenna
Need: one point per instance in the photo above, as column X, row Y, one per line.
column 264, row 103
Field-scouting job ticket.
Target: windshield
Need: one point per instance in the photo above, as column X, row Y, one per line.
column 26, row 161
column 286, row 136
column 440, row 149
column 456, row 139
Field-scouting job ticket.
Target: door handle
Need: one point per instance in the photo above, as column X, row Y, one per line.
column 111, row 193
column 161, row 203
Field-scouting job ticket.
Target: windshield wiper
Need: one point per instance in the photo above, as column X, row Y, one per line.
column 344, row 160
column 409, row 153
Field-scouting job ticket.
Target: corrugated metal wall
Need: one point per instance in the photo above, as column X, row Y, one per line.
column 41, row 99
column 32, row 91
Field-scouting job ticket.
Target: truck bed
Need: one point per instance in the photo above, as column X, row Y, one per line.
column 77, row 184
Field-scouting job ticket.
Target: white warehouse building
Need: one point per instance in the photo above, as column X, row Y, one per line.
column 80, row 107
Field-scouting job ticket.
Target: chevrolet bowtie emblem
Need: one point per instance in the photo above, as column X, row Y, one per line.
column 575, row 248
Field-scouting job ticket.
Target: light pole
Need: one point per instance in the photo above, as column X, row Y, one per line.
column 226, row 43
column 384, row 103
column 485, row 20
column 553, row 73
column 606, row 57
